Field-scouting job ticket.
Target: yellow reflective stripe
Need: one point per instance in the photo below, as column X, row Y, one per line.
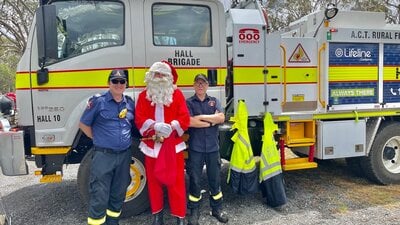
column 356, row 73
column 352, row 115
column 255, row 75
column 251, row 75
column 389, row 73
column 92, row 221
column 186, row 76
column 194, row 199
column 50, row 150
column 301, row 75
column 114, row 214
column 22, row 80
column 98, row 78
column 217, row 196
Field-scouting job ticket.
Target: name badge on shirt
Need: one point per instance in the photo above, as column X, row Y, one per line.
column 122, row 114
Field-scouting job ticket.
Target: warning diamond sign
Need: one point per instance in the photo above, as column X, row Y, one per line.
column 299, row 55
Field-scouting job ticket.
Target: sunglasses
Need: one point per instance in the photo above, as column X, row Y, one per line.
column 116, row 81
column 200, row 84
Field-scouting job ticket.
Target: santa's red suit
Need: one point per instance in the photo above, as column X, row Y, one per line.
column 164, row 160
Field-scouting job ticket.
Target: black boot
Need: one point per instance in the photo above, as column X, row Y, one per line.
column 194, row 216
column 180, row 221
column 158, row 219
column 221, row 217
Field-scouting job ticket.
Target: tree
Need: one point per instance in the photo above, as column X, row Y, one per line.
column 15, row 19
column 282, row 13
column 393, row 13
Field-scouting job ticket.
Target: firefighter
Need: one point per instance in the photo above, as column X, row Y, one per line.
column 108, row 120
column 205, row 115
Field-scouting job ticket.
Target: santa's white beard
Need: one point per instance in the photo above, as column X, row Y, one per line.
column 159, row 90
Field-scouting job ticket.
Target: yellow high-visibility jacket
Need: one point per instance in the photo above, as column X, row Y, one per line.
column 242, row 174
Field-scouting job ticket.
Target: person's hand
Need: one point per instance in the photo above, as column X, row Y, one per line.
column 163, row 129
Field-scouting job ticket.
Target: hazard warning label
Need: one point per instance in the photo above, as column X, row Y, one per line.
column 299, row 55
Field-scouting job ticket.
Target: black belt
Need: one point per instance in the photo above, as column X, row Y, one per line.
column 109, row 150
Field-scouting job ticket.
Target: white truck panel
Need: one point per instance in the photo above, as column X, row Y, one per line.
column 341, row 139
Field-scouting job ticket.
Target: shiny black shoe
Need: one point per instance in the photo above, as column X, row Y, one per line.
column 158, row 219
column 221, row 217
column 194, row 217
column 180, row 221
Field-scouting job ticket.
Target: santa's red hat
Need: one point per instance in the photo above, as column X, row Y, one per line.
column 173, row 71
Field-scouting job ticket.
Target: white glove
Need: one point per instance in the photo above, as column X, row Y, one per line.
column 163, row 129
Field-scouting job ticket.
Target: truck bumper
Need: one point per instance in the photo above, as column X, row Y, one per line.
column 12, row 153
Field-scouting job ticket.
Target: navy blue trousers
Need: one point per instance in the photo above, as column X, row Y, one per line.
column 195, row 165
column 109, row 179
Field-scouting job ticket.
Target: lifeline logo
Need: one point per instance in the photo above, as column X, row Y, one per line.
column 353, row 53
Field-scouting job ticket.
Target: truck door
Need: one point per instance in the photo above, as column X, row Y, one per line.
column 91, row 42
column 190, row 35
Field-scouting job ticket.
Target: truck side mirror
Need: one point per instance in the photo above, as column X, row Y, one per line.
column 46, row 29
column 42, row 76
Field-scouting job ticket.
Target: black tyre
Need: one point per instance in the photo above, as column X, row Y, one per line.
column 136, row 200
column 383, row 162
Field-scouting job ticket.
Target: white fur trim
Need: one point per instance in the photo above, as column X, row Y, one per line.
column 177, row 126
column 153, row 153
column 180, row 147
column 159, row 113
column 161, row 67
column 146, row 125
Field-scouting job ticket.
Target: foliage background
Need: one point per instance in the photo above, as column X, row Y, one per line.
column 16, row 17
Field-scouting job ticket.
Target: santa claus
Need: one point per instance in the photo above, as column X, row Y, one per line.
column 162, row 117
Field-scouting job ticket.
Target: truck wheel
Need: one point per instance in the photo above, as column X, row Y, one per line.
column 136, row 200
column 383, row 162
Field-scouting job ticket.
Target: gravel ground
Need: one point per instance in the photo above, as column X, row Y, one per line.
column 329, row 194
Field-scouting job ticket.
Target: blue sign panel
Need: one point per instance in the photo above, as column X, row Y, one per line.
column 391, row 82
column 353, row 77
column 352, row 93
column 391, row 92
column 391, row 56
column 353, row 54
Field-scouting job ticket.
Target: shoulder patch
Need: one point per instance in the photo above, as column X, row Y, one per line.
column 211, row 103
column 89, row 104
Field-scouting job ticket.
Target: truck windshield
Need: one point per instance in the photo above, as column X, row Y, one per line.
column 83, row 26
column 181, row 25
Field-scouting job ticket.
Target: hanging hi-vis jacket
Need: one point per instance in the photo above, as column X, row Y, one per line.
column 271, row 178
column 242, row 174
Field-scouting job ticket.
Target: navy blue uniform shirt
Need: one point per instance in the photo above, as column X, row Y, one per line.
column 203, row 139
column 109, row 130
